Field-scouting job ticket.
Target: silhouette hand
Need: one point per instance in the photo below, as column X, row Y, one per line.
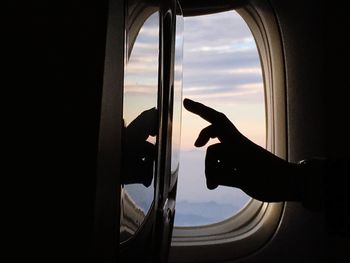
column 220, row 158
column 238, row 162
column 139, row 154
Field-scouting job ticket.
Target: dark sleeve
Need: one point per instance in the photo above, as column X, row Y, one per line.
column 313, row 183
column 326, row 189
column 337, row 197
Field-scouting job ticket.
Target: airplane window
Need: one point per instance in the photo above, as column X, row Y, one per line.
column 140, row 122
column 222, row 70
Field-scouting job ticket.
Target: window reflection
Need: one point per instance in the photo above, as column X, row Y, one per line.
column 177, row 94
column 140, row 128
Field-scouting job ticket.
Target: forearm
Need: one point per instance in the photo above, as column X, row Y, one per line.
column 253, row 169
column 275, row 179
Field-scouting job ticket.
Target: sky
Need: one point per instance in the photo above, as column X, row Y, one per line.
column 221, row 68
column 141, row 72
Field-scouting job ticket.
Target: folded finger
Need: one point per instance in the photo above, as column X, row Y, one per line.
column 205, row 135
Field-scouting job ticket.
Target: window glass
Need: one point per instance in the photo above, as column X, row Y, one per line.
column 222, row 70
column 177, row 93
column 140, row 122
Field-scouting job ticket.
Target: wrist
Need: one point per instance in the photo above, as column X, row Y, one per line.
column 313, row 191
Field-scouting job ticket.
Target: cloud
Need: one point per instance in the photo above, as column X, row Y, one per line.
column 141, row 73
column 207, row 30
column 149, row 32
column 141, row 89
column 232, row 46
column 221, row 61
column 221, row 69
column 248, row 90
column 242, row 71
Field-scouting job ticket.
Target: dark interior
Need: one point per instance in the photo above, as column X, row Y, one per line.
column 55, row 67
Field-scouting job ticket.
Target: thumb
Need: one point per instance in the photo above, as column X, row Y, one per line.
column 205, row 135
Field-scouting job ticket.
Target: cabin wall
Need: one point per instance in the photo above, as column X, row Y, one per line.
column 56, row 54
column 336, row 116
column 316, row 84
column 316, row 102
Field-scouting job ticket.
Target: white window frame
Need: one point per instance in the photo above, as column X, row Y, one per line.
column 252, row 227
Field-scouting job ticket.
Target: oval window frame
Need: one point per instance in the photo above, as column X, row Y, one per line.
column 256, row 223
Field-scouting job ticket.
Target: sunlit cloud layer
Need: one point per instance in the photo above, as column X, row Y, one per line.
column 140, row 69
column 141, row 72
column 150, row 31
column 141, row 89
column 221, row 61
column 229, row 23
column 235, row 46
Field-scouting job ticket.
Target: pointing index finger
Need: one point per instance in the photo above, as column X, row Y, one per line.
column 203, row 111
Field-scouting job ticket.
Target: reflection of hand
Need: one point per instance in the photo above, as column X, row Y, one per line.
column 139, row 154
column 143, row 126
column 238, row 162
